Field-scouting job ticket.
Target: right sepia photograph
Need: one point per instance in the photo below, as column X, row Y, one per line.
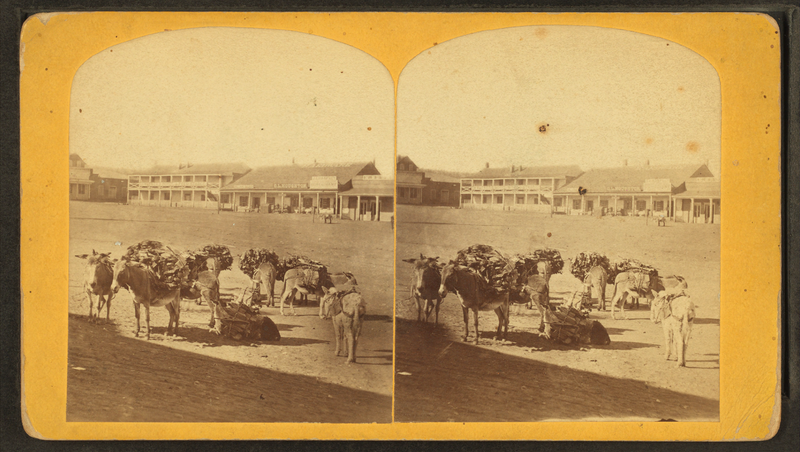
column 558, row 229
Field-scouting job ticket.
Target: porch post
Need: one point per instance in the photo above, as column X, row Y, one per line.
column 615, row 204
column 377, row 208
column 691, row 212
column 358, row 207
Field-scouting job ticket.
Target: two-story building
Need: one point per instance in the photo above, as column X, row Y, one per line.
column 633, row 190
column 186, row 186
column 416, row 186
column 516, row 187
column 80, row 178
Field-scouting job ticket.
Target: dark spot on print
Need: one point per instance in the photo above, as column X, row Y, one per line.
column 692, row 147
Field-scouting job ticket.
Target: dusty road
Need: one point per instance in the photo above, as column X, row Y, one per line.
column 528, row 378
column 201, row 377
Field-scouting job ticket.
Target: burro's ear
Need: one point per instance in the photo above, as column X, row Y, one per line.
column 114, row 261
column 410, row 261
column 94, row 253
column 325, row 290
column 82, row 256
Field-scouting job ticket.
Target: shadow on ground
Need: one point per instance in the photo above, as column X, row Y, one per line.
column 457, row 382
column 132, row 380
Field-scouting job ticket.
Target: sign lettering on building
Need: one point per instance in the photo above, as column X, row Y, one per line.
column 374, row 177
column 290, row 185
column 624, row 189
column 244, row 187
column 324, row 183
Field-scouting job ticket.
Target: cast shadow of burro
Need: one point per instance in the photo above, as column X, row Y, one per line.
column 445, row 381
column 143, row 381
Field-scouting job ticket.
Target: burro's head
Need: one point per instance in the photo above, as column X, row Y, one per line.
column 449, row 278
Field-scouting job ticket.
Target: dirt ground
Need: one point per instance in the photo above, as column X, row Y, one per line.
column 201, row 377
column 528, row 378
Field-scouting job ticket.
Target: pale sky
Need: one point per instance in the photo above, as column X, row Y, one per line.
column 207, row 95
column 599, row 96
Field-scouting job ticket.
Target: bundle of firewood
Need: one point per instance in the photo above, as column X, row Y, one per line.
column 297, row 261
column 584, row 262
column 221, row 252
column 630, row 265
column 497, row 270
column 240, row 322
column 167, row 264
column 252, row 258
column 526, row 263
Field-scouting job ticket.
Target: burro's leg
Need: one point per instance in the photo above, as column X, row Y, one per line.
column 147, row 319
column 466, row 323
column 477, row 331
column 668, row 344
column 287, row 294
column 136, row 312
column 91, row 305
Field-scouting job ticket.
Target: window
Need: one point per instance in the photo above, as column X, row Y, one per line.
column 202, row 196
column 627, row 204
column 434, row 194
column 308, row 202
column 498, row 183
column 557, row 202
column 576, row 204
column 325, row 203
column 520, row 199
column 226, row 199
column 270, row 199
column 242, row 201
column 498, row 199
column 445, row 195
column 295, row 201
column 658, row 205
column 101, row 192
column 604, row 204
column 71, row 188
column 153, row 195
column 641, row 205
column 200, row 178
column 401, row 167
column 165, row 196
column 487, row 199
column 402, row 192
column 520, row 181
column 414, row 193
column 535, row 199
column 187, row 196
column 81, row 189
column 112, row 192
column 590, row 205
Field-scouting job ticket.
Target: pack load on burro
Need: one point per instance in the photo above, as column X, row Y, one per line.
column 584, row 262
column 198, row 260
column 253, row 258
column 526, row 264
column 631, row 265
column 168, row 265
column 497, row 270
column 314, row 272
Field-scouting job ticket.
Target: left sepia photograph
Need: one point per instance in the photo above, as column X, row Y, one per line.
column 231, row 216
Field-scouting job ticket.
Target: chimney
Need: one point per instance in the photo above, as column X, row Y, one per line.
column 625, row 162
column 647, row 163
column 487, row 164
column 292, row 160
column 513, row 168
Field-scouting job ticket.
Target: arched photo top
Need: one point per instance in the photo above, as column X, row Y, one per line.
column 260, row 96
column 558, row 94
